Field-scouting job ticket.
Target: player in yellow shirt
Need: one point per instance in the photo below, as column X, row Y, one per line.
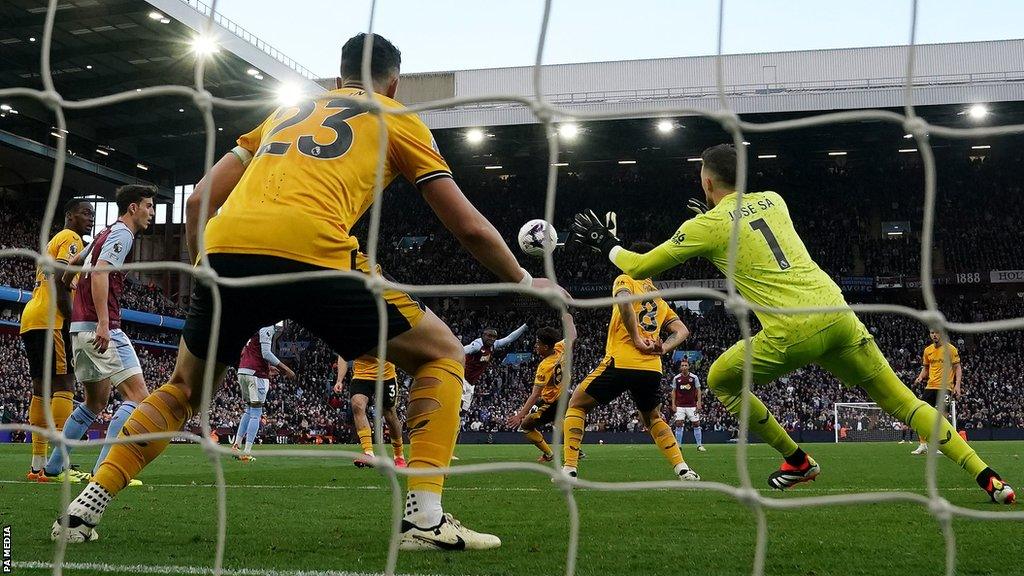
column 283, row 201
column 932, row 367
column 774, row 270
column 361, row 391
column 35, row 319
column 547, row 389
column 632, row 363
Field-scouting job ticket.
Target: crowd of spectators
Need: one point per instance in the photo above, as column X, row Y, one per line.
column 19, row 228
column 993, row 374
column 148, row 298
column 307, row 410
column 839, row 211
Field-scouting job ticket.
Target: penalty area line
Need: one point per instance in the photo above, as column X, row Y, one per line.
column 802, row 489
column 188, row 570
column 312, row 487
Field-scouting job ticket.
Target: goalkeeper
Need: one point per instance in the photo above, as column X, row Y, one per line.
column 774, row 270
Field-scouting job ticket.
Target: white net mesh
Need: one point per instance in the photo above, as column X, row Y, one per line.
column 943, row 511
column 866, row 422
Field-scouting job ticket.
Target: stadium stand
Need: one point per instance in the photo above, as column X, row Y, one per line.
column 846, row 243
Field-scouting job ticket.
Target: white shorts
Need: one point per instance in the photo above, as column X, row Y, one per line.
column 118, row 363
column 254, row 390
column 689, row 413
column 467, row 395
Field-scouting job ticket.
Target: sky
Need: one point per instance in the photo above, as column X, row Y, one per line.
column 441, row 35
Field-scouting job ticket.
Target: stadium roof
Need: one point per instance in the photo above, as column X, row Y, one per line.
column 643, row 144
column 810, row 80
column 110, row 46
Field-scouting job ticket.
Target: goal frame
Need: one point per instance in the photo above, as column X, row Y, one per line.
column 837, row 405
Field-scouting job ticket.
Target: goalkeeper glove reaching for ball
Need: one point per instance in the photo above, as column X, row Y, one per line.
column 698, row 207
column 589, row 230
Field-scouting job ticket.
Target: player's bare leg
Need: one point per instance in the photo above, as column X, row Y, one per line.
column 395, row 433
column 666, row 442
column 435, row 357
column 363, row 430
column 164, row 410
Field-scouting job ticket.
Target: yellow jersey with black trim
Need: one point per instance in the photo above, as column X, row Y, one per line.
column 934, row 358
column 365, row 368
column 773, row 267
column 64, row 246
column 549, row 374
column 651, row 315
column 311, row 178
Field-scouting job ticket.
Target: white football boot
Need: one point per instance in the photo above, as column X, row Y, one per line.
column 450, row 534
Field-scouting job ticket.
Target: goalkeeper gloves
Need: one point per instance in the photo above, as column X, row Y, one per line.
column 588, row 230
column 698, row 207
column 611, row 222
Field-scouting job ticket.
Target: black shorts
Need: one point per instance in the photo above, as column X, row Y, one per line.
column 930, row 395
column 35, row 348
column 544, row 413
column 606, row 383
column 369, row 387
column 340, row 311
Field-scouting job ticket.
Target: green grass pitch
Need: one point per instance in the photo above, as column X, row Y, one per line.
column 321, row 514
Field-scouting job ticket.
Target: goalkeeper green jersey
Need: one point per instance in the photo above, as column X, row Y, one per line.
column 773, row 268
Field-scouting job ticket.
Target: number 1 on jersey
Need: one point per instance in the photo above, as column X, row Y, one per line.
column 761, row 226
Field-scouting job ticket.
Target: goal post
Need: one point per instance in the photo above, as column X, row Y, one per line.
column 867, row 422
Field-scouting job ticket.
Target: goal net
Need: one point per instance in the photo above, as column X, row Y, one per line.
column 547, row 113
column 867, row 422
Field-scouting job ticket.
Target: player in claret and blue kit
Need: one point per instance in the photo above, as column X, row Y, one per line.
column 686, row 404
column 255, row 367
column 479, row 354
column 104, row 359
column 283, row 201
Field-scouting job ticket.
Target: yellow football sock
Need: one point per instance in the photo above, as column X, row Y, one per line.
column 37, row 417
column 61, row 406
column 433, row 420
column 572, row 434
column 365, row 439
column 165, row 410
column 396, row 447
column 666, row 442
column 538, row 440
column 895, row 398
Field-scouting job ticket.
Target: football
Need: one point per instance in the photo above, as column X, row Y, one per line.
column 1002, row 493
column 536, row 236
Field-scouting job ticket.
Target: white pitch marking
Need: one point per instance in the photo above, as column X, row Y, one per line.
column 802, row 489
column 189, row 570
